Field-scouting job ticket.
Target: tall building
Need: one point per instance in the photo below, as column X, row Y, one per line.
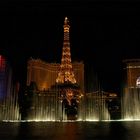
column 132, row 69
column 42, row 73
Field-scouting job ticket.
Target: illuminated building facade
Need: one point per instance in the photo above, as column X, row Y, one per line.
column 44, row 74
column 132, row 70
column 131, row 93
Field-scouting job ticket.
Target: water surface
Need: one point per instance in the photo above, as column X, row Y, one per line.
column 70, row 130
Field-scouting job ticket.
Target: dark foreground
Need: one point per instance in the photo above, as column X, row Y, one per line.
column 70, row 131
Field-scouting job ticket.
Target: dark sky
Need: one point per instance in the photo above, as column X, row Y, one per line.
column 103, row 33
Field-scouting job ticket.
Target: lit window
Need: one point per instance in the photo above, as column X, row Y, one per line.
column 138, row 82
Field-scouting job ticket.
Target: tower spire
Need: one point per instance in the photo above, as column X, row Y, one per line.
column 65, row 74
column 66, row 29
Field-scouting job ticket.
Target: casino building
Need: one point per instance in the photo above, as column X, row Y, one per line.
column 132, row 70
column 44, row 74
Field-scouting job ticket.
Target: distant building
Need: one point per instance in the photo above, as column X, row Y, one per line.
column 44, row 74
column 132, row 69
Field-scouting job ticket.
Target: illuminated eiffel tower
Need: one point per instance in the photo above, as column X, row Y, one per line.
column 66, row 74
column 70, row 91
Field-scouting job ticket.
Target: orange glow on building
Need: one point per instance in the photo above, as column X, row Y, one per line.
column 45, row 74
column 132, row 72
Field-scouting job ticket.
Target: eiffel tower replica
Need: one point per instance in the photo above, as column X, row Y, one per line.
column 69, row 89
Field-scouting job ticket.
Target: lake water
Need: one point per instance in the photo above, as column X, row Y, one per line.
column 70, row 130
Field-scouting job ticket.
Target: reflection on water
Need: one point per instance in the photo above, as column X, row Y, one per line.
column 70, row 131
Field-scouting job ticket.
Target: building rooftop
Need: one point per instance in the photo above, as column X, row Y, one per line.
column 131, row 60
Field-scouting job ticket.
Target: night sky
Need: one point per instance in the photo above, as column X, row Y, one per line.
column 102, row 34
